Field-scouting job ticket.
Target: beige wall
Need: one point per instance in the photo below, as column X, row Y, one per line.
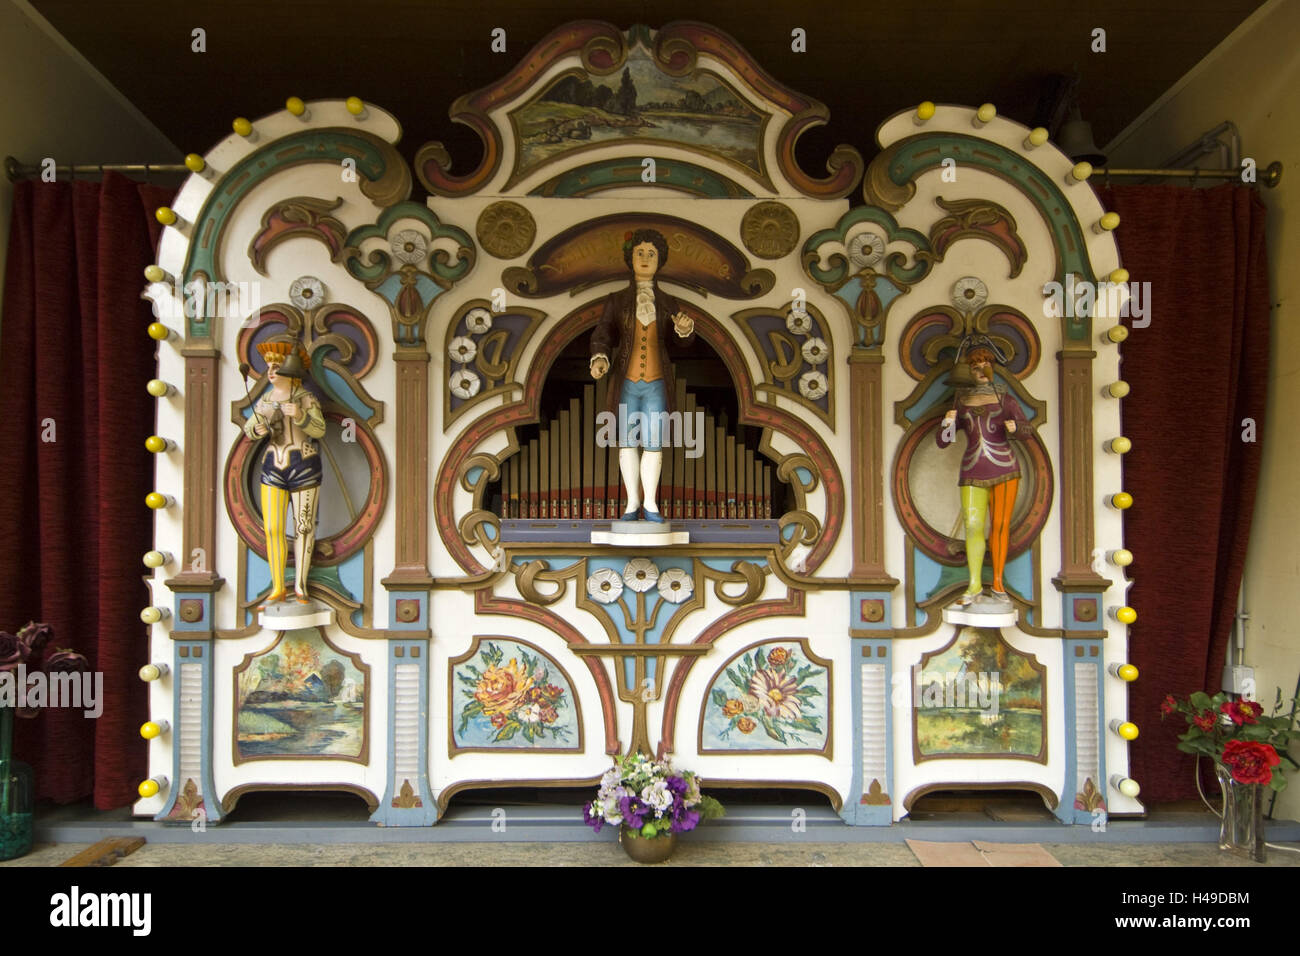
column 57, row 105
column 1253, row 79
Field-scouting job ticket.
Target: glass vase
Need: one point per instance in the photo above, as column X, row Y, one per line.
column 1242, row 830
column 17, row 794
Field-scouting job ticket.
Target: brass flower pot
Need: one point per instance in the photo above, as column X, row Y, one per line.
column 654, row 849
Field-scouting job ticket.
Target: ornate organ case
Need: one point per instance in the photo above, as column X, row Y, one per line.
column 468, row 633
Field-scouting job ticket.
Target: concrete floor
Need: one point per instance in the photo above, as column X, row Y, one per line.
column 697, row 853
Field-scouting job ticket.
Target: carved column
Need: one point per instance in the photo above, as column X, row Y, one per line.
column 1076, row 473
column 411, row 568
column 867, row 467
column 199, row 502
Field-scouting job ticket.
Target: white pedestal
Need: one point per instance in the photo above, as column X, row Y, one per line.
column 289, row 615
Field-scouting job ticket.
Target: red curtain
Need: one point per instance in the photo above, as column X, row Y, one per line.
column 1198, row 372
column 73, row 467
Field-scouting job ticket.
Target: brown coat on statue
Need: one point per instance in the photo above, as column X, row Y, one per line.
column 616, row 332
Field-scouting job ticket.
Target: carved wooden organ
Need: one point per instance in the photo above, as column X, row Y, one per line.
column 466, row 632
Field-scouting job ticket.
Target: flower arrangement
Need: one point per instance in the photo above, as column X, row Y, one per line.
column 648, row 796
column 1236, row 735
column 773, row 691
column 517, row 697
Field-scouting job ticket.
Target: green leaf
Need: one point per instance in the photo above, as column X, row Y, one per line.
column 807, row 692
column 736, row 680
column 719, row 698
column 1201, row 700
column 760, row 661
column 511, row 728
column 773, row 731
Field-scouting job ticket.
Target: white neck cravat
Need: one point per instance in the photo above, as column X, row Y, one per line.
column 645, row 301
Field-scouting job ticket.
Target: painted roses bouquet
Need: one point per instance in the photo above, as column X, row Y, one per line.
column 1236, row 735
column 650, row 797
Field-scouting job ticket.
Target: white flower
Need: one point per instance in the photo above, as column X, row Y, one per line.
column 640, row 574
column 408, row 246
column 464, row 383
column 658, row 795
column 815, row 351
column 307, row 292
column 969, row 293
column 478, row 320
column 532, row 714
column 605, row 586
column 462, row 349
column 798, row 322
column 675, row 585
column 864, row 249
column 812, row 385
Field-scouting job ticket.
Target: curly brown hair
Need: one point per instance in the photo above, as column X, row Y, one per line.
column 652, row 236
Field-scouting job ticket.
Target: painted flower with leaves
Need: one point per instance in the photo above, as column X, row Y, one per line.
column 775, row 691
column 514, row 696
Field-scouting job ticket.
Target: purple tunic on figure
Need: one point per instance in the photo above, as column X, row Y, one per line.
column 989, row 459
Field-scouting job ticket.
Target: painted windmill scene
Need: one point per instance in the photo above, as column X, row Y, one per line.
column 640, row 103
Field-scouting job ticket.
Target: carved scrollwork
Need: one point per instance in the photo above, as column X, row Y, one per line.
column 528, row 575
column 746, row 573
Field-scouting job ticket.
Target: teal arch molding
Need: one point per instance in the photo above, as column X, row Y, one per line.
column 675, row 174
column 381, row 172
column 868, row 293
column 889, row 183
column 408, row 290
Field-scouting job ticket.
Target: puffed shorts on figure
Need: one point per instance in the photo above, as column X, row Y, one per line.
column 299, row 474
column 642, row 419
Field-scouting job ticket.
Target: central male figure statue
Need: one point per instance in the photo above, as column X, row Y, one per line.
column 633, row 330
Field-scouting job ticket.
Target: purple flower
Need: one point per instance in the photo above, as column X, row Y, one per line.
column 35, row 636
column 634, row 812
column 64, row 660
column 12, row 652
column 593, row 820
column 684, row 821
column 677, row 785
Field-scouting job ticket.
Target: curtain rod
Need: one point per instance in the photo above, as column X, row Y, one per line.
column 1271, row 175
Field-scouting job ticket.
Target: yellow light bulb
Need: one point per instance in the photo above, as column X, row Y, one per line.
column 1081, row 172
column 157, row 387
column 1126, row 614
column 1127, row 786
column 242, row 126
column 1117, row 333
column 1119, row 445
column 925, row 111
column 152, row 672
column 158, row 331
column 1121, row 500
column 1109, row 221
column 195, row 163
column 1118, row 389
column 1128, row 730
column 155, row 559
column 1126, row 672
column 295, row 106
column 1121, row 557
column 154, row 273
column 150, row 730
column 1118, row 276
column 151, row 615
column 155, row 444
column 165, row 215
column 155, row 500
column 355, row 106
column 149, row 788
column 1037, row 136
column 986, row 113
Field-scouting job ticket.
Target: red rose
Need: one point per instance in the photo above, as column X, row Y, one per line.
column 1242, row 711
column 1168, row 705
column 1250, row 761
column 1205, row 720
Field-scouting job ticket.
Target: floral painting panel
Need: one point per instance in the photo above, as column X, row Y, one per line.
column 772, row 697
column 301, row 698
column 510, row 696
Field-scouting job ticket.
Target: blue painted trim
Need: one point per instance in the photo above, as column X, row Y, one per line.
column 1072, row 623
column 211, row 804
column 426, row 814
column 204, row 623
column 864, row 651
column 1065, row 809
column 856, row 620
column 420, row 623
